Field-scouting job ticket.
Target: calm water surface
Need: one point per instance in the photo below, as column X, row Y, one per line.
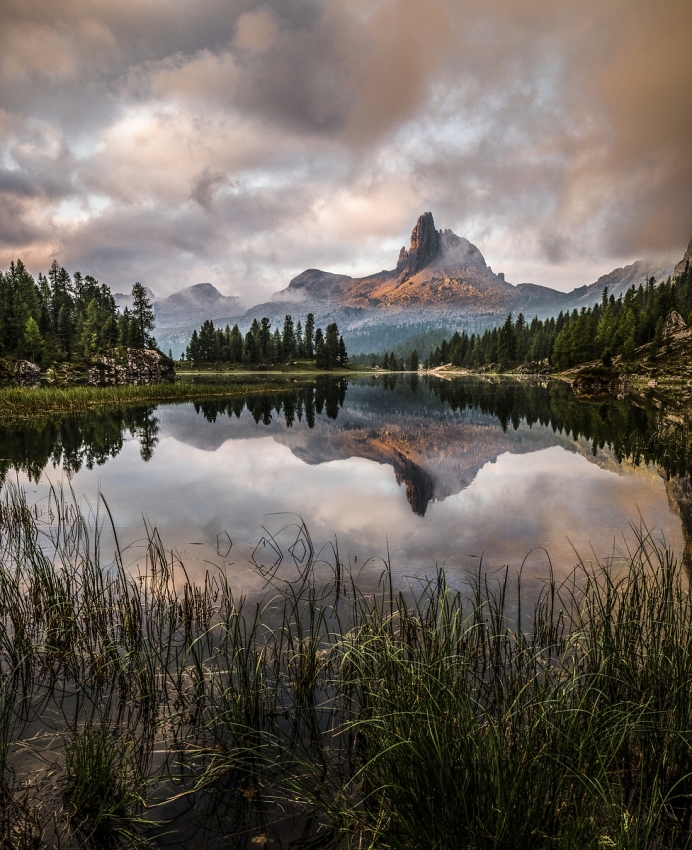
column 424, row 472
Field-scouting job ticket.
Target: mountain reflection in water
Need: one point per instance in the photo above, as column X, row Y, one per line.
column 435, row 434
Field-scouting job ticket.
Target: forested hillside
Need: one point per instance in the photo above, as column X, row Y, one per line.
column 615, row 327
column 59, row 318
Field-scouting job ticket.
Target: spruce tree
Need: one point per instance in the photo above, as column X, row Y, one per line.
column 331, row 343
column 321, row 360
column 289, row 338
column 310, row 336
column 250, row 352
column 33, row 341
column 277, row 346
column 144, row 321
column 236, row 345
column 265, row 339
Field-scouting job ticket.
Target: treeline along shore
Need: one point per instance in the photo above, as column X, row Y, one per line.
column 613, row 329
column 61, row 318
column 261, row 346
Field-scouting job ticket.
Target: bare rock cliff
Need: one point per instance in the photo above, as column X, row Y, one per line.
column 424, row 248
column 682, row 265
column 134, row 366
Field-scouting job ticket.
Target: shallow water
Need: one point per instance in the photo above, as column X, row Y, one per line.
column 424, row 473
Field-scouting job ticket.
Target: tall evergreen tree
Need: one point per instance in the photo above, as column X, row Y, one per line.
column 143, row 314
column 310, row 336
column 331, row 342
column 288, row 338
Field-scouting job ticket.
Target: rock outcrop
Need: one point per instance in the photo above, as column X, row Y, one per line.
column 132, row 366
column 594, row 380
column 682, row 265
column 424, row 248
column 27, row 374
column 674, row 325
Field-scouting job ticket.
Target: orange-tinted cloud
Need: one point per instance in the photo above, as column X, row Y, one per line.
column 254, row 139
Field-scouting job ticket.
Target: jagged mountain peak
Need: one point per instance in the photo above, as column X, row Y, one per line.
column 680, row 268
column 424, row 248
column 439, row 268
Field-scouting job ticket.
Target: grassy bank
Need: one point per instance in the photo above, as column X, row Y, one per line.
column 331, row 715
column 45, row 401
column 295, row 367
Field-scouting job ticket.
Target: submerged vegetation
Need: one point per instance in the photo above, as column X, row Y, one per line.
column 135, row 703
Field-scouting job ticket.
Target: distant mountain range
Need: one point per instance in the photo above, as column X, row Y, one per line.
column 442, row 280
column 442, row 274
column 190, row 306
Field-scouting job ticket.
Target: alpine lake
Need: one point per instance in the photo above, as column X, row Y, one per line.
column 189, row 711
column 413, row 473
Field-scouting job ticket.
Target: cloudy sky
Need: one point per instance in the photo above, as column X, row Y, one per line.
column 238, row 143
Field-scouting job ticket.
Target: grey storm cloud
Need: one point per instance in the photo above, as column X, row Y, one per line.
column 240, row 142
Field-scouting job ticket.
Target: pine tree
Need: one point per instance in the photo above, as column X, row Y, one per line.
column 33, row 341
column 310, row 336
column 321, row 356
column 236, row 345
column 143, row 314
column 277, row 346
column 265, row 339
column 250, row 352
column 289, row 338
column 331, row 344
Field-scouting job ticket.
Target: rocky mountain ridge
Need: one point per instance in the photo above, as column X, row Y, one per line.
column 445, row 276
column 441, row 279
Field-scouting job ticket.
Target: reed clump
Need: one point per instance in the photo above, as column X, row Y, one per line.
column 137, row 704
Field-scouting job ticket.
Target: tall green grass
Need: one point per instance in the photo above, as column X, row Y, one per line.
column 45, row 401
column 337, row 716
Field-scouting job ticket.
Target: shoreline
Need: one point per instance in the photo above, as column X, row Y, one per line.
column 23, row 402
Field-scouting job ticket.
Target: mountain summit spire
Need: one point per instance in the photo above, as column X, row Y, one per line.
column 425, row 247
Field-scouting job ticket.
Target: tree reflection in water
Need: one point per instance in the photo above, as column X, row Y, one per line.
column 641, row 431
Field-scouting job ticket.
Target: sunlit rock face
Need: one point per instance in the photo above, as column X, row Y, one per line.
column 444, row 274
column 439, row 269
column 425, row 247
